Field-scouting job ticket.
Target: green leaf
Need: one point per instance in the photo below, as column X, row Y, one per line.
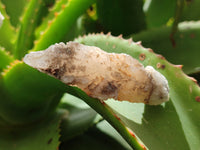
column 93, row 139
column 15, row 9
column 106, row 128
column 62, row 23
column 57, row 7
column 108, row 114
column 120, row 17
column 35, row 11
column 186, row 43
column 43, row 135
column 102, row 125
column 5, row 58
column 184, row 97
column 7, row 32
column 191, row 10
column 159, row 127
column 77, row 122
column 27, row 95
column 165, row 8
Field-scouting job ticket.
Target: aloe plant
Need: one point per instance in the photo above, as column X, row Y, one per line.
column 38, row 111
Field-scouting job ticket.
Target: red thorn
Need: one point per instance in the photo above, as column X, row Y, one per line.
column 63, row 6
column 150, row 50
column 56, row 14
column 161, row 56
column 193, row 79
column 109, row 33
column 3, row 6
column 197, row 98
column 117, row 117
column 120, row 36
column 49, row 23
column 144, row 148
column 131, row 133
column 139, row 43
column 130, row 41
column 179, row 66
column 102, row 102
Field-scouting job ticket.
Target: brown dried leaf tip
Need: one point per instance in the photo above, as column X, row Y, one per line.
column 100, row 74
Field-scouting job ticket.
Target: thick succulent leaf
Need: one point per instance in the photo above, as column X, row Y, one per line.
column 77, row 122
column 165, row 8
column 93, row 139
column 120, row 17
column 184, row 98
column 57, row 7
column 15, row 9
column 108, row 114
column 5, row 58
column 27, row 95
column 7, row 32
column 168, row 10
column 191, row 10
column 35, row 11
column 183, row 50
column 62, row 23
column 75, row 30
column 101, row 124
column 106, row 128
column 157, row 126
column 43, row 135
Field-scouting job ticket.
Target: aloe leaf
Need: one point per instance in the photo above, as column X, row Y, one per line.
column 165, row 8
column 191, row 10
column 120, row 17
column 5, row 58
column 104, row 110
column 186, row 42
column 7, row 32
column 196, row 75
column 43, row 135
column 62, row 23
column 98, row 123
column 30, row 20
column 168, row 9
column 89, row 140
column 106, row 128
column 14, row 9
column 27, row 95
column 57, row 7
column 184, row 95
column 77, row 122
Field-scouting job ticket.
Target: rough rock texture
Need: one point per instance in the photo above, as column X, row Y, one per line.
column 100, row 74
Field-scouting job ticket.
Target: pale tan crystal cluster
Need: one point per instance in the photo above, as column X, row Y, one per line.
column 100, row 74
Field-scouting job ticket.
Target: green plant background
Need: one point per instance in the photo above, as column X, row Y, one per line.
column 40, row 112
